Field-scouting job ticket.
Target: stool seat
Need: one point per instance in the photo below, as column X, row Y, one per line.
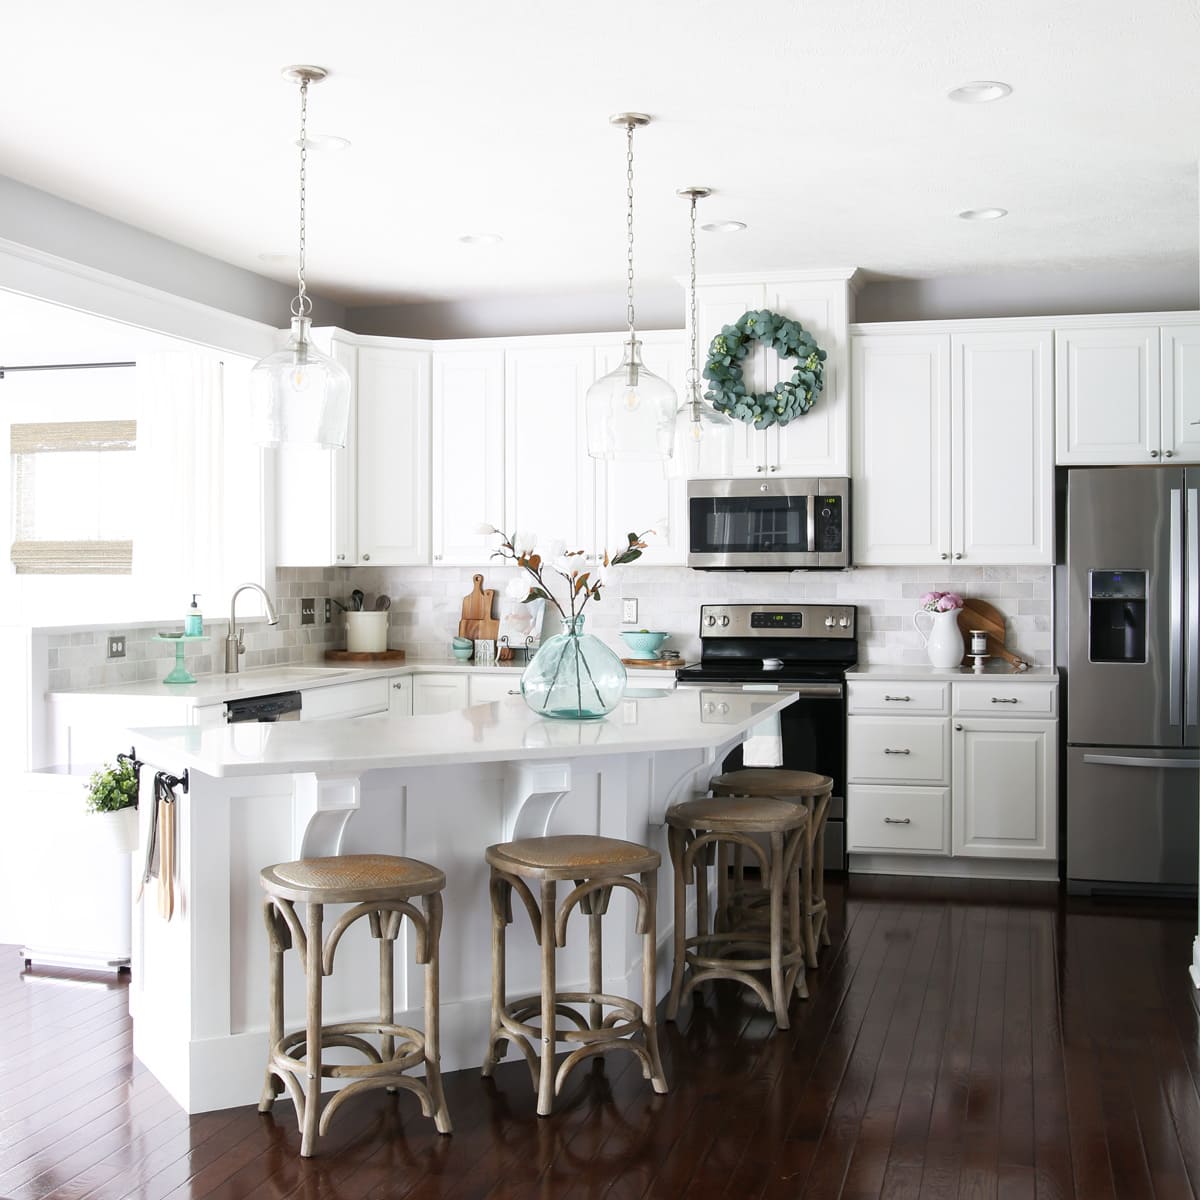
column 351, row 878
column 572, row 856
column 771, row 781
column 748, row 814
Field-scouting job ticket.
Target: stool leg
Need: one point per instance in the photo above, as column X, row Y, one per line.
column 649, row 982
column 312, row 1056
column 677, row 844
column 795, row 915
column 272, row 1085
column 810, row 932
column 545, row 1103
column 432, row 905
column 819, row 880
column 595, row 965
column 500, row 891
column 387, row 985
column 778, row 996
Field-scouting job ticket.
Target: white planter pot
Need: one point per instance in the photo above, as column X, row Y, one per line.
column 116, row 832
column 943, row 641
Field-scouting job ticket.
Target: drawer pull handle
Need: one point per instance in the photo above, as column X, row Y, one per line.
column 897, row 820
column 514, row 691
column 1005, row 700
column 889, row 750
column 903, row 698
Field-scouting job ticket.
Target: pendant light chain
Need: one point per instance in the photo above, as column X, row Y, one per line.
column 302, row 305
column 693, row 372
column 629, row 127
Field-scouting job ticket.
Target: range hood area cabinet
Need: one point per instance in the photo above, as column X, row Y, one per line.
column 816, row 443
column 1128, row 394
column 953, row 447
column 447, row 437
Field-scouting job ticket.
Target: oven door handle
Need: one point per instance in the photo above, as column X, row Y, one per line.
column 807, row 691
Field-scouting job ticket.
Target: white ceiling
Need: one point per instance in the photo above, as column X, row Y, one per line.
column 824, row 126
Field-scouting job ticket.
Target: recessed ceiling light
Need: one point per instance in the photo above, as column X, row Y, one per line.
column 480, row 239
column 328, row 142
column 981, row 91
column 983, row 214
column 724, row 227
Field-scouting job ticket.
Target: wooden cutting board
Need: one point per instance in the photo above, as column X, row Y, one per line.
column 477, row 620
column 655, row 664
column 979, row 614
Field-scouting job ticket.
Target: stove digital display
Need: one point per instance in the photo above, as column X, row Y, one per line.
column 776, row 620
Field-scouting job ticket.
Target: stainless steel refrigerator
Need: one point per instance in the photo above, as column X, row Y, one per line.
column 1133, row 617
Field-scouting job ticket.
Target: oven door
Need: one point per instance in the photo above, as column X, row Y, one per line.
column 768, row 524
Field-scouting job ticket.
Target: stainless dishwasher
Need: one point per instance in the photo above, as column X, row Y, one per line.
column 279, row 706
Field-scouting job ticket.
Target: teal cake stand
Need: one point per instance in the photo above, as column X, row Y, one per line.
column 179, row 673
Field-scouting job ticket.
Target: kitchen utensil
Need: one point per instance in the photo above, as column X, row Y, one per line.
column 979, row 614
column 642, row 642
column 356, row 600
column 477, row 622
column 383, row 603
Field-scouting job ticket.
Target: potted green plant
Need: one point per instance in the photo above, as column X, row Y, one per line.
column 112, row 794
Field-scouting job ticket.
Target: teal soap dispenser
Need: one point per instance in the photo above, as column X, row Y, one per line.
column 193, row 623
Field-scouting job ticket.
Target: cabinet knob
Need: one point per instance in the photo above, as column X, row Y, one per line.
column 341, row 558
column 759, row 469
column 1153, row 453
column 398, row 686
column 958, row 556
column 366, row 558
column 944, row 557
column 437, row 558
column 958, row 728
column 773, row 468
column 1168, row 454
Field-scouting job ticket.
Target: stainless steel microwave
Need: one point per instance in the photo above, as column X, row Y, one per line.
column 768, row 524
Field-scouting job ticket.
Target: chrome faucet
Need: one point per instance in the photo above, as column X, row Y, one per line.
column 234, row 643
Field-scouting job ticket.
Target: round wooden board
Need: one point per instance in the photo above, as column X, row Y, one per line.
column 364, row 656
column 655, row 664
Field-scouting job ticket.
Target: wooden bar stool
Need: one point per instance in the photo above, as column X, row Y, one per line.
column 712, row 953
column 813, row 792
column 596, row 865
column 381, row 888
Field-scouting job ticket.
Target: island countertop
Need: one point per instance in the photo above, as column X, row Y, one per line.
column 647, row 720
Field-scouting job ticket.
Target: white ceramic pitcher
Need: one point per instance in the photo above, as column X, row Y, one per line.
column 943, row 641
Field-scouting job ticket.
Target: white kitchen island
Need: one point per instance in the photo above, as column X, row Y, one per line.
column 439, row 788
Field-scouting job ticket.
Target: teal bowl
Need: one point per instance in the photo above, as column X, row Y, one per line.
column 642, row 643
column 463, row 653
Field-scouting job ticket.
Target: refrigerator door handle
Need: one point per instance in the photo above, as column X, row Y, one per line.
column 1192, row 694
column 1175, row 665
column 1133, row 760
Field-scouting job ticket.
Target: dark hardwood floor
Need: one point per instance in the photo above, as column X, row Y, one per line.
column 990, row 1040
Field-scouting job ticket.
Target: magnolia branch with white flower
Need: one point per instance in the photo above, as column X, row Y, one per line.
column 584, row 575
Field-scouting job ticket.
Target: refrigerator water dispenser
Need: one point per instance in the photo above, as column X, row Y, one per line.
column 1117, row 616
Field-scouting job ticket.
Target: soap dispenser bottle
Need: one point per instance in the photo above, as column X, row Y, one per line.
column 193, row 623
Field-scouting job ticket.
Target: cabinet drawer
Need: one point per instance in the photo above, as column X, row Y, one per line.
column 1006, row 698
column 883, row 750
column 908, row 820
column 905, row 698
column 358, row 699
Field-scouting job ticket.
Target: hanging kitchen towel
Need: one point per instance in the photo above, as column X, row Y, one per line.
column 160, row 845
column 763, row 746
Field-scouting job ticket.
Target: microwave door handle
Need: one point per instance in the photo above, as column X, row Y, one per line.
column 1175, row 585
column 811, row 503
column 1192, row 695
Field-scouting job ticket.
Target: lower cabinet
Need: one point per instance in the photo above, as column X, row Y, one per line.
column 400, row 696
column 949, row 782
column 485, row 688
column 438, row 694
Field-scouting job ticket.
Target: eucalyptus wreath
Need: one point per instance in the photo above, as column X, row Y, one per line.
column 790, row 398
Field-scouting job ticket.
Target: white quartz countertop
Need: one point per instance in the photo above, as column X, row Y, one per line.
column 646, row 720
column 994, row 669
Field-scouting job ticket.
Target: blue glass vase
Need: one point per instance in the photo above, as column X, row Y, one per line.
column 574, row 676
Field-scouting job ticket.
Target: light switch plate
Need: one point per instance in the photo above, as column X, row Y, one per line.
column 629, row 610
column 308, row 611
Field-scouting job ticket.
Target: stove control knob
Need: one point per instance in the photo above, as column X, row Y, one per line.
column 722, row 708
column 724, row 622
column 710, row 620
column 830, row 622
column 844, row 622
column 709, row 707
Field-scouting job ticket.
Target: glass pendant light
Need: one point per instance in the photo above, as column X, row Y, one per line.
column 630, row 411
column 299, row 396
column 703, row 436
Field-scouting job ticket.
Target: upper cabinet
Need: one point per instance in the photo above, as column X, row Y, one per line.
column 953, row 448
column 1127, row 394
column 817, row 442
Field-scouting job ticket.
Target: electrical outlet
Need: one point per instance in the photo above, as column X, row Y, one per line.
column 116, row 646
column 328, row 610
column 308, row 612
column 629, row 610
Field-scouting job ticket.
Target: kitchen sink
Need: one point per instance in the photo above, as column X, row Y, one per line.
column 306, row 672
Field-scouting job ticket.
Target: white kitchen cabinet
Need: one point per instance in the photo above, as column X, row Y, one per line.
column 486, row 686
column 815, row 443
column 953, row 448
column 468, row 454
column 359, row 698
column 897, row 820
column 635, row 496
column 439, row 693
column 550, row 486
column 316, row 489
column 393, row 456
column 400, row 696
column 1128, row 394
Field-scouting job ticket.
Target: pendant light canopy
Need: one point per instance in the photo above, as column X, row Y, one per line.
column 299, row 396
column 630, row 411
column 703, row 436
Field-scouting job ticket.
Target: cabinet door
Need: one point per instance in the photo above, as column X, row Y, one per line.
column 550, row 483
column 816, row 443
column 468, row 454
column 1181, row 393
column 1004, row 789
column 393, row 456
column 438, row 694
column 635, row 496
column 901, row 448
column 488, row 686
column 400, row 697
column 315, row 488
column 1003, row 458
column 1106, row 395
